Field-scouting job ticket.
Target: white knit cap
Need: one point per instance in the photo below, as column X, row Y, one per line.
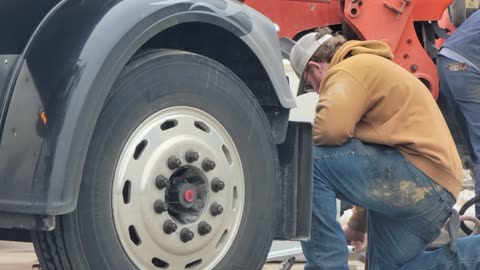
column 304, row 49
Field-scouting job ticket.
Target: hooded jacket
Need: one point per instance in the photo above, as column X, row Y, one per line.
column 365, row 95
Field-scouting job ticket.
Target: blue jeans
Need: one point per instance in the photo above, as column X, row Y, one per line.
column 461, row 88
column 406, row 211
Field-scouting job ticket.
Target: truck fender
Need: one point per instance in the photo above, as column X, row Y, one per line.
column 65, row 75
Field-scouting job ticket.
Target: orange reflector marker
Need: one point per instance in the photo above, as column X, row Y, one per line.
column 43, row 116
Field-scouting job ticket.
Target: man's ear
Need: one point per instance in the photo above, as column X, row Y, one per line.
column 324, row 67
column 313, row 64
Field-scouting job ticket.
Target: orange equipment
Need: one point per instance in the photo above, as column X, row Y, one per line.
column 408, row 26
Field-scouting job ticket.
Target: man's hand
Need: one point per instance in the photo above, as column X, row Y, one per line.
column 355, row 238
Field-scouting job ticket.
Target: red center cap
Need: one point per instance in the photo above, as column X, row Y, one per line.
column 189, row 195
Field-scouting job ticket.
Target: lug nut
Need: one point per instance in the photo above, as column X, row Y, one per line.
column 169, row 227
column 186, row 235
column 208, row 164
column 191, row 156
column 174, row 162
column 159, row 206
column 204, row 228
column 217, row 184
column 161, row 182
column 216, row 209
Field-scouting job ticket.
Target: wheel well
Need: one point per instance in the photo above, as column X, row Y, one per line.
column 224, row 47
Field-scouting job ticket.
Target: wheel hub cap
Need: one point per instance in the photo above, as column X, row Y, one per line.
column 173, row 207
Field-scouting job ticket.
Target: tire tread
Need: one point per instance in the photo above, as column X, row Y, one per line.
column 51, row 248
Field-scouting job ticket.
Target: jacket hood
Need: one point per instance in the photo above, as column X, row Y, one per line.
column 354, row 47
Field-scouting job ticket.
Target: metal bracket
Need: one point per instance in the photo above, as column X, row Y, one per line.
column 10, row 220
column 354, row 8
column 398, row 11
column 441, row 32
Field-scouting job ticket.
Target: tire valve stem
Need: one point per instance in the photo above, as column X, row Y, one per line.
column 186, row 235
column 208, row 164
column 169, row 227
column 159, row 206
column 174, row 162
column 216, row 209
column 204, row 228
column 216, row 185
column 161, row 182
column 191, row 156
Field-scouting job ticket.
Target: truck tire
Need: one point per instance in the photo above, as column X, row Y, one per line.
column 180, row 174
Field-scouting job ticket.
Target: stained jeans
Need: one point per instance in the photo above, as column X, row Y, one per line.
column 406, row 211
column 461, row 88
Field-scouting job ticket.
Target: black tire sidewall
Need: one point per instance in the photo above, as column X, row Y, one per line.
column 148, row 85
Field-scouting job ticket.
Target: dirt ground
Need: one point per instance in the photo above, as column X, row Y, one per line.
column 16, row 256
